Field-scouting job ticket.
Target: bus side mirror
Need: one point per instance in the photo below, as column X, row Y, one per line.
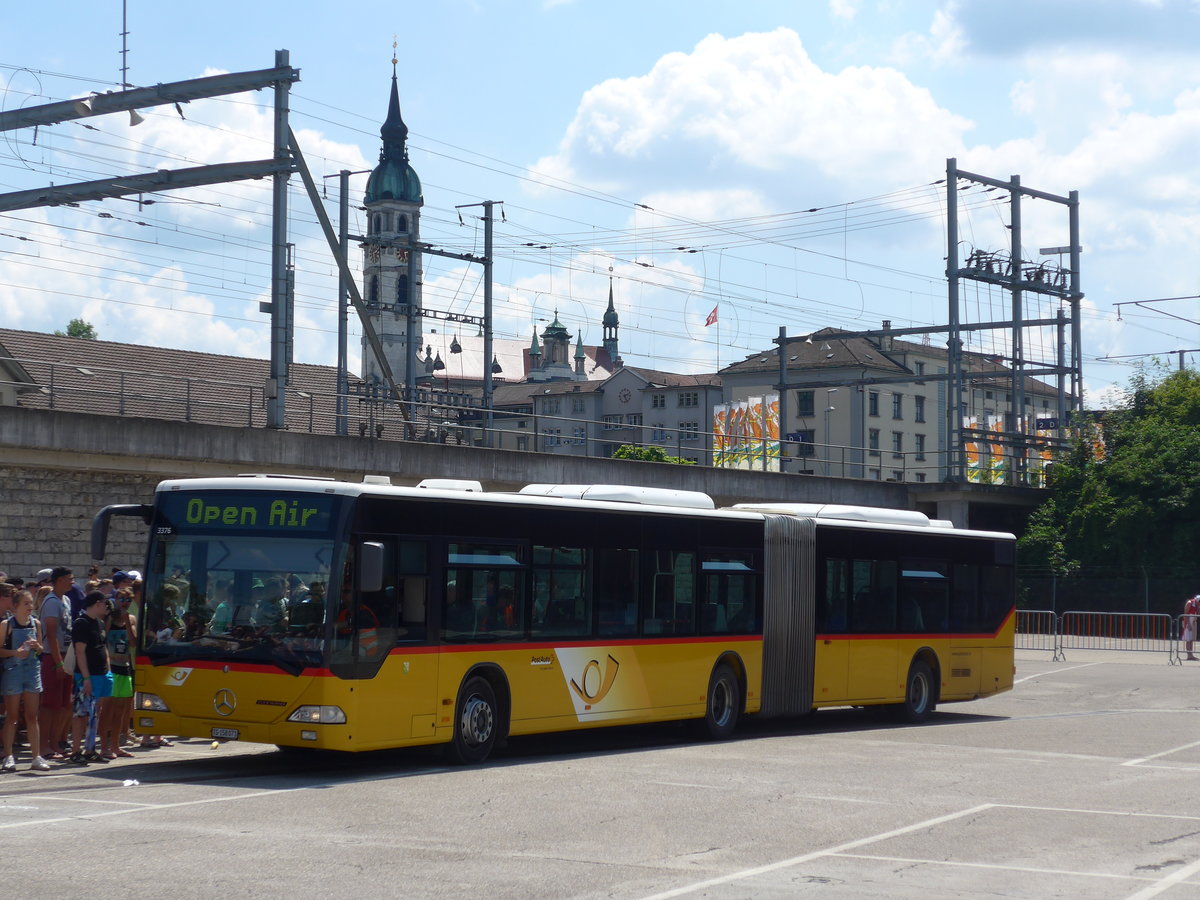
column 370, row 567
column 142, row 511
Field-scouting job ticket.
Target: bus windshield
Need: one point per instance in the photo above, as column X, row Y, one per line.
column 240, row 577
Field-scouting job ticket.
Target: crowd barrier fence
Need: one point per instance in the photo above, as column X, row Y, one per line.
column 1042, row 629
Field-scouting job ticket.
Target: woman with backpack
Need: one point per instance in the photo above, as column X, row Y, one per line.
column 20, row 650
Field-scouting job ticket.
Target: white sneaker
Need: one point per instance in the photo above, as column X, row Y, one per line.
column 10, row 765
column 40, row 764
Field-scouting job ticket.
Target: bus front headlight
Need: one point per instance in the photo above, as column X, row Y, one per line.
column 149, row 702
column 319, row 715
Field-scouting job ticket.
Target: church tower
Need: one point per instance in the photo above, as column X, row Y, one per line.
column 611, row 325
column 391, row 270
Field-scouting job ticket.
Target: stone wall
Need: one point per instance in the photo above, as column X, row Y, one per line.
column 47, row 518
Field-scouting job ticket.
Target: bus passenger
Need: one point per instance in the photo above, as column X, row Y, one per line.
column 270, row 608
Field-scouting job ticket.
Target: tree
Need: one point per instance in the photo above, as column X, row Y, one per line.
column 1128, row 496
column 649, row 454
column 79, row 328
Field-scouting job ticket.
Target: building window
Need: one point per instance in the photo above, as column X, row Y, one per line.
column 804, row 403
column 919, row 476
column 873, row 403
column 658, row 401
column 873, row 441
column 635, row 419
column 402, row 223
column 658, row 434
column 919, row 368
column 402, row 290
column 580, row 434
column 919, row 409
column 689, row 398
column 897, row 406
column 897, row 443
column 577, row 404
column 373, row 291
column 612, row 422
column 551, row 407
column 690, row 431
column 920, row 439
column 874, row 474
column 897, row 475
column 552, row 436
column 522, row 442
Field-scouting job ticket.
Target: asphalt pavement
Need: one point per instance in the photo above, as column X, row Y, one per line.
column 1078, row 783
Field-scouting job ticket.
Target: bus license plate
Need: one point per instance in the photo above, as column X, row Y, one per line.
column 227, row 734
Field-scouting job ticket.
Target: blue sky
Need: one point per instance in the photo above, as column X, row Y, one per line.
column 726, row 120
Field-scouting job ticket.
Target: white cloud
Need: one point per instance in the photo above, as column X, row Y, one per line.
column 843, row 9
column 754, row 109
column 945, row 42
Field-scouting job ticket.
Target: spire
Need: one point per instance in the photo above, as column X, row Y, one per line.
column 579, row 354
column 611, row 325
column 394, row 132
column 534, row 348
column 610, row 315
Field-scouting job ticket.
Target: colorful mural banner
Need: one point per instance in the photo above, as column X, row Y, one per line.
column 746, row 434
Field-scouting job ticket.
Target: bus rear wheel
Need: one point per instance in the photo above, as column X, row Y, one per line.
column 476, row 722
column 920, row 697
column 724, row 705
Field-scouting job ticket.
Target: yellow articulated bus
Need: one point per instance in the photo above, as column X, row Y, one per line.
column 306, row 612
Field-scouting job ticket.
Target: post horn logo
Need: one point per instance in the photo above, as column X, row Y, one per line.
column 595, row 685
column 225, row 702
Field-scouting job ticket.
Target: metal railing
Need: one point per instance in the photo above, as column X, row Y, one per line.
column 437, row 415
column 1038, row 629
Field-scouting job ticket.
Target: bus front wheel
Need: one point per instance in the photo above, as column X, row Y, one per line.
column 919, row 694
column 724, row 704
column 476, row 722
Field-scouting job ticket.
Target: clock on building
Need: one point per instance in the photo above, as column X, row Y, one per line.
column 624, row 395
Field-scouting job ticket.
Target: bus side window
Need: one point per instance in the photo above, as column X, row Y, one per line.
column 615, row 574
column 672, row 601
column 833, row 613
column 413, row 591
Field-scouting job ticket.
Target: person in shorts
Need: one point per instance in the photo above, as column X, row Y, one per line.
column 93, row 679
column 116, row 711
column 20, row 650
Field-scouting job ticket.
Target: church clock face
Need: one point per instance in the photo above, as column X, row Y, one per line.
column 624, row 395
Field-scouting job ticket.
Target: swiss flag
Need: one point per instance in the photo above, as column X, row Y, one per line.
column 712, row 317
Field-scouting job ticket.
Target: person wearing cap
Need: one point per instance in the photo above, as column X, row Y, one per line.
column 44, row 576
column 1191, row 609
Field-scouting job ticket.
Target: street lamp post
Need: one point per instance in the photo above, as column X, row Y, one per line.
column 829, row 407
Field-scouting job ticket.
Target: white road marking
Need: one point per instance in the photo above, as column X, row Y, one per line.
column 1054, row 672
column 1170, row 881
column 972, row 865
column 807, row 857
column 843, row 850
column 1138, row 762
column 154, row 807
